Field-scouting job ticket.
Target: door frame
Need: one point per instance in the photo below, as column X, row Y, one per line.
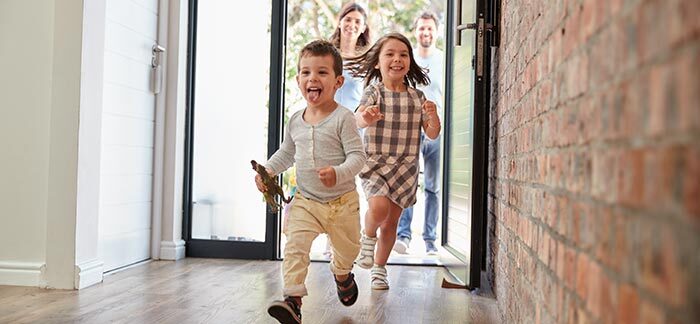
column 236, row 249
column 475, row 261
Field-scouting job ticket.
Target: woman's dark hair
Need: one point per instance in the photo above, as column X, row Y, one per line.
column 364, row 39
column 364, row 65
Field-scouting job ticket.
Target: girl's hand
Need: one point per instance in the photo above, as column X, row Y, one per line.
column 327, row 176
column 430, row 114
column 371, row 114
column 429, row 109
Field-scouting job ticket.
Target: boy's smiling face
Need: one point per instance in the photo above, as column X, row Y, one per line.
column 317, row 80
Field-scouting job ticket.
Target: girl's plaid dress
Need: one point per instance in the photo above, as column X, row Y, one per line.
column 392, row 144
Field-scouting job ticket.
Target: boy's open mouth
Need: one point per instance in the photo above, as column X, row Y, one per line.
column 313, row 93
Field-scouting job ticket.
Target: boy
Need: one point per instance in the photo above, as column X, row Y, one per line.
column 325, row 144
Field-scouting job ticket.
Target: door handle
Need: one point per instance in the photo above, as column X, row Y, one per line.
column 481, row 27
column 156, row 69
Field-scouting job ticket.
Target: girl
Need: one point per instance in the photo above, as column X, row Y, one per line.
column 393, row 113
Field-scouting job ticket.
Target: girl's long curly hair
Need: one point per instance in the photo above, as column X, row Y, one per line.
column 364, row 39
column 364, row 65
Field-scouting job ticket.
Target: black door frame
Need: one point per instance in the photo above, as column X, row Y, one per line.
column 477, row 258
column 236, row 249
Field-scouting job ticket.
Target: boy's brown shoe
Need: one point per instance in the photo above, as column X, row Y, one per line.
column 285, row 311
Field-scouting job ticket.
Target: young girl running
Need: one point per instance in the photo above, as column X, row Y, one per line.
column 393, row 113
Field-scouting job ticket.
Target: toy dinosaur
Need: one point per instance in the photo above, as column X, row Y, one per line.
column 273, row 188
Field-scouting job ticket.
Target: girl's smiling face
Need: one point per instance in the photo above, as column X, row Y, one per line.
column 394, row 61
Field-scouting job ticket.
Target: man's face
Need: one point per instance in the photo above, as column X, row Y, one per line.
column 425, row 32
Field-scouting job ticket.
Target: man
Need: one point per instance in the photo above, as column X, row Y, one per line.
column 427, row 56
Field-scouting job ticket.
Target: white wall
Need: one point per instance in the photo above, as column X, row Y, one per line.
column 26, row 55
column 50, row 110
column 41, row 56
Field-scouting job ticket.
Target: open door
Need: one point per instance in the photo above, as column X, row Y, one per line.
column 234, row 95
column 466, row 142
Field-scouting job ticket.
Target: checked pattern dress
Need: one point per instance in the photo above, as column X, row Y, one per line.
column 392, row 144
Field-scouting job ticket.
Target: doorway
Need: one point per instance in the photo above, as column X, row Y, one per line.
column 309, row 20
column 242, row 92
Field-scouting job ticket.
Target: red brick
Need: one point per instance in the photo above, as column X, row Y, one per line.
column 628, row 310
column 691, row 186
column 552, row 255
column 561, row 260
column 608, row 299
column 582, row 278
column 594, row 276
column 573, row 312
column 652, row 40
column 650, row 313
column 604, row 175
column 571, row 34
column 621, row 260
column 589, row 18
column 564, row 215
column 662, row 170
column 686, row 71
column 589, row 120
column 604, row 235
column 660, row 110
column 661, row 270
column 631, row 175
column 543, row 248
column 570, row 268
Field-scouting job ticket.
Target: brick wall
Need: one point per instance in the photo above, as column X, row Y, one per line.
column 594, row 173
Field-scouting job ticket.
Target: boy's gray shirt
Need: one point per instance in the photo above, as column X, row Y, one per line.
column 334, row 141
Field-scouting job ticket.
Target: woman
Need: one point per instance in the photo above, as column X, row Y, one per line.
column 351, row 37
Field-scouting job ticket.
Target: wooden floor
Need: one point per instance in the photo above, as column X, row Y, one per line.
column 238, row 291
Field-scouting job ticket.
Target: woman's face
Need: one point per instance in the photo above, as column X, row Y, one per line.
column 352, row 25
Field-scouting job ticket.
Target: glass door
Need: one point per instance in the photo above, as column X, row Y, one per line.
column 234, row 94
column 465, row 144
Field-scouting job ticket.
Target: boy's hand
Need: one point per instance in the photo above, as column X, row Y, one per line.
column 327, row 176
column 371, row 114
column 259, row 181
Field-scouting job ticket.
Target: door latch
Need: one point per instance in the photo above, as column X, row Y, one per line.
column 156, row 68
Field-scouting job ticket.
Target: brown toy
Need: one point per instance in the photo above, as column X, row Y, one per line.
column 273, row 188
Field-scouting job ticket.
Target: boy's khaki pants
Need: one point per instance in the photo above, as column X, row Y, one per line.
column 339, row 218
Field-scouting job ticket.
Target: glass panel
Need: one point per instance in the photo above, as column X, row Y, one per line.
column 461, row 139
column 230, row 119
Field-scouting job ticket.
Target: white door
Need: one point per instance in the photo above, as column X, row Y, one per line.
column 127, row 133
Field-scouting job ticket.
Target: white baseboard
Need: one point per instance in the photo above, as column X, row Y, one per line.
column 88, row 273
column 172, row 250
column 22, row 273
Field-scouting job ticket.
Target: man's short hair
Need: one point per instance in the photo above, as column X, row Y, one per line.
column 322, row 48
column 426, row 15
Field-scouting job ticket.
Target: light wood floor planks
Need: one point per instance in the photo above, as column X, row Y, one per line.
column 238, row 291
